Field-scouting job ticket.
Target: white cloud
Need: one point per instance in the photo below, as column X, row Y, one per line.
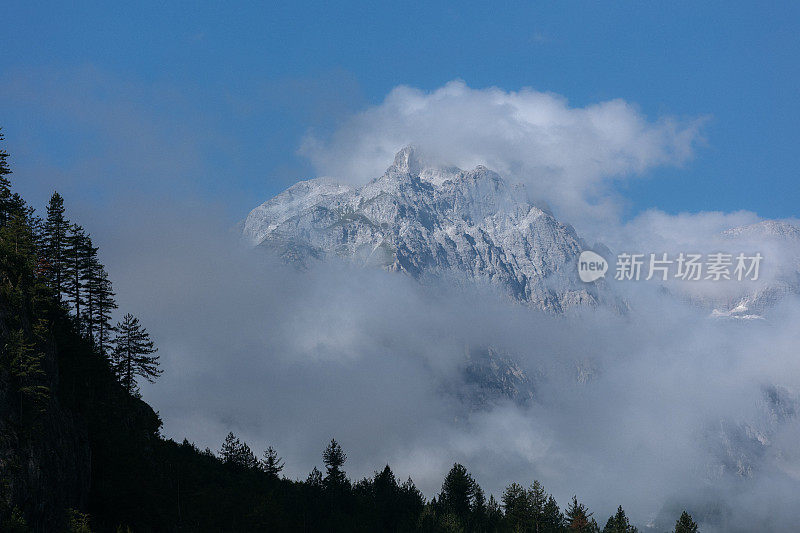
column 567, row 156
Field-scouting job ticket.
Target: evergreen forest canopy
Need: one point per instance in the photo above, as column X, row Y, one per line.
column 81, row 451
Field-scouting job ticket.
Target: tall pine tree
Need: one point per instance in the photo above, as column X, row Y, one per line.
column 238, row 454
column 54, row 242
column 230, row 446
column 133, row 354
column 79, row 251
column 579, row 518
column 517, row 506
column 685, row 524
column 480, row 514
column 271, row 464
column 552, row 519
column 537, row 498
column 385, row 494
column 99, row 298
column 103, row 307
column 5, row 185
column 494, row 515
column 334, row 458
column 618, row 523
column 458, row 491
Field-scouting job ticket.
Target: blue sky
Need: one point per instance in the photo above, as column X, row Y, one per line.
column 218, row 99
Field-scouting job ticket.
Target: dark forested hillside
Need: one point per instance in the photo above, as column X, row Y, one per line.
column 81, row 451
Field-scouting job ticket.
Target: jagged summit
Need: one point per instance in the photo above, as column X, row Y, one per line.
column 408, row 161
column 468, row 224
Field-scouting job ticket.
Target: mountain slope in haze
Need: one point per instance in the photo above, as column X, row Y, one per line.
column 779, row 242
column 430, row 221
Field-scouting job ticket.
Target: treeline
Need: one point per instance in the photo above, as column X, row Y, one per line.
column 382, row 503
column 68, row 271
column 80, row 451
column 68, row 264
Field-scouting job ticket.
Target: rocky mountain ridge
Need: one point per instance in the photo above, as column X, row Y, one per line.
column 430, row 221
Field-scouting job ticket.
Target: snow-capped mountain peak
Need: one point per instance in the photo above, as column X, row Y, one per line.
column 421, row 220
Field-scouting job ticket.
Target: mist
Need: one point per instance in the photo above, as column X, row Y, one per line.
column 291, row 358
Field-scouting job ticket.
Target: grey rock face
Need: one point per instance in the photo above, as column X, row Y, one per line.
column 489, row 377
column 740, row 448
column 430, row 221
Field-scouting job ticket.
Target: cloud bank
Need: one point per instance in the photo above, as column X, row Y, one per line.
column 568, row 156
column 674, row 410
